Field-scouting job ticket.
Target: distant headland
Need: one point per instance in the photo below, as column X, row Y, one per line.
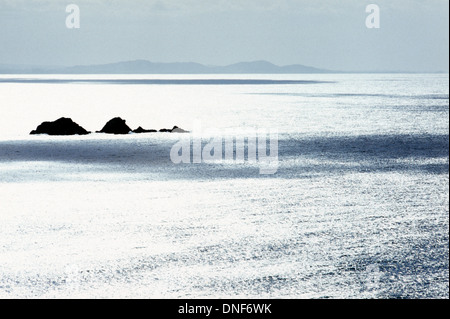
column 147, row 67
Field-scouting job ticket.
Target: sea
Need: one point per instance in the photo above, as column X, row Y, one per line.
column 358, row 206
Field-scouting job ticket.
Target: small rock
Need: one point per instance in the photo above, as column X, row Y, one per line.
column 176, row 129
column 141, row 130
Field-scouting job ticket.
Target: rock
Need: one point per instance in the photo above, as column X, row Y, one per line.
column 176, row 129
column 116, row 126
column 62, row 126
column 141, row 130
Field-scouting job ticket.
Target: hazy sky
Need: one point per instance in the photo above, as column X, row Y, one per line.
column 413, row 35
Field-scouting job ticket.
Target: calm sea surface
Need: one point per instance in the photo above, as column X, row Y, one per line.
column 358, row 207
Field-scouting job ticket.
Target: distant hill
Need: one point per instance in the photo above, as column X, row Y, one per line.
column 147, row 67
column 267, row 67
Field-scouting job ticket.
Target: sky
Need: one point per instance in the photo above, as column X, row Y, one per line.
column 413, row 35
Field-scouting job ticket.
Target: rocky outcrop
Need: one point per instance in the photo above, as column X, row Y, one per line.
column 65, row 126
column 176, row 129
column 116, row 126
column 62, row 126
column 141, row 130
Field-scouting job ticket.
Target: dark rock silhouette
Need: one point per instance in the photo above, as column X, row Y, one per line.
column 116, row 126
column 164, row 130
column 141, row 130
column 176, row 129
column 62, row 126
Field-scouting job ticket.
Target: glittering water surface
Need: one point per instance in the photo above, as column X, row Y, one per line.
column 358, row 207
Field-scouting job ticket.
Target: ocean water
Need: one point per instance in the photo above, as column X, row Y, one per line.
column 358, row 207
